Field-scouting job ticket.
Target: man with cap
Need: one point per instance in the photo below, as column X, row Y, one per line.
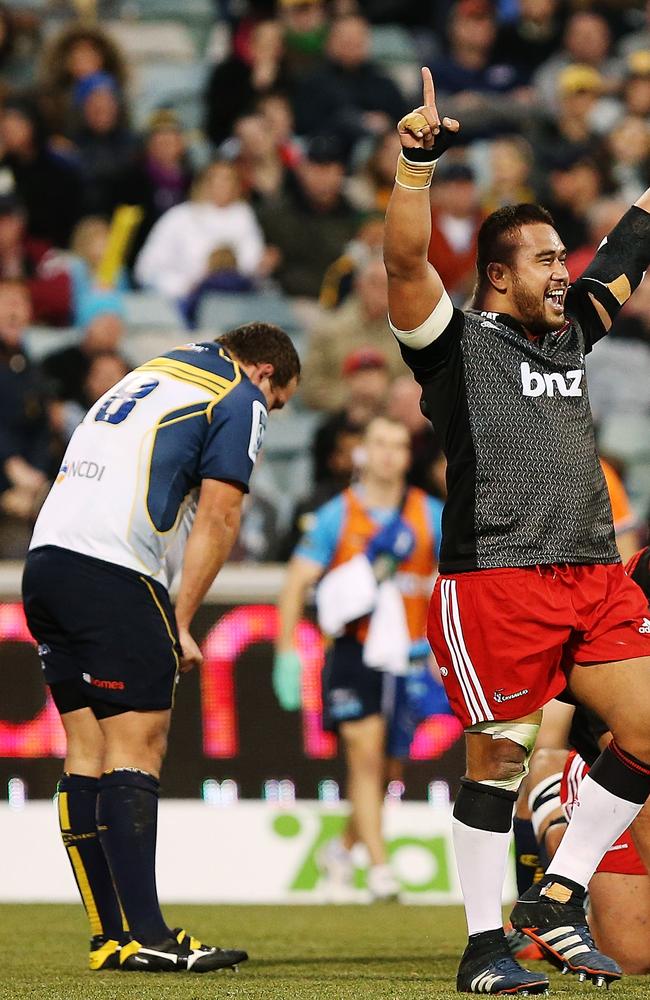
column 455, row 222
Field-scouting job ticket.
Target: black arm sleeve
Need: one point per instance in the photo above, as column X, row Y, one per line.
column 614, row 273
column 427, row 362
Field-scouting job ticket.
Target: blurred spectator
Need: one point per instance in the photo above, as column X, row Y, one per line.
column 90, row 297
column 359, row 323
column 636, row 85
column 78, row 52
column 305, row 24
column 366, row 380
column 370, row 188
column 428, row 463
column 511, row 163
column 105, row 369
column 221, row 275
column 259, row 160
column 638, row 39
column 24, row 434
column 348, row 95
column 571, row 129
column 587, row 41
column 48, row 187
column 160, row 176
column 574, row 185
column 601, row 219
column 455, row 222
column 66, row 370
column 175, row 256
column 311, row 220
column 530, row 38
column 277, row 113
column 237, row 82
column 15, row 69
column 340, row 276
column 468, row 69
column 27, row 259
column 628, row 146
column 333, row 475
column 104, row 143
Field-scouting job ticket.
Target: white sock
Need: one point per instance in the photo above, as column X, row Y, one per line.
column 481, row 859
column 598, row 819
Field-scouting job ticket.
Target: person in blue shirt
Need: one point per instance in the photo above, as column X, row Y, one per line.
column 375, row 712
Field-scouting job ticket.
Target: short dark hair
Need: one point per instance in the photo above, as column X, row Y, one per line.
column 264, row 343
column 497, row 237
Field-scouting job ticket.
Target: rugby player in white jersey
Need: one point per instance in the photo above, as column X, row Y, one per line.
column 151, row 484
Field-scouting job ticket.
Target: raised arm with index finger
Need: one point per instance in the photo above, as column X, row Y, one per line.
column 414, row 287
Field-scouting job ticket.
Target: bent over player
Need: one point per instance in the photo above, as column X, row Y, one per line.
column 152, row 482
column 532, row 594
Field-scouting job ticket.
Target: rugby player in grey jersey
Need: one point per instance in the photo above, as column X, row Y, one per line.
column 532, row 595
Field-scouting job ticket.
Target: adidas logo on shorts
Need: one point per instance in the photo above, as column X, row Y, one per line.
column 645, row 628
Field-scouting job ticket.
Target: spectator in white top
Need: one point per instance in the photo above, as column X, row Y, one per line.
column 174, row 258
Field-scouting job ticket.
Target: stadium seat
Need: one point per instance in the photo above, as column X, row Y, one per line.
column 392, row 44
column 149, row 311
column 43, row 340
column 141, row 344
column 223, row 310
column 153, row 41
column 286, row 473
column 176, row 85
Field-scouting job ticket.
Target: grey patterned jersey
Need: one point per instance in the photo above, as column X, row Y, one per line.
column 524, row 479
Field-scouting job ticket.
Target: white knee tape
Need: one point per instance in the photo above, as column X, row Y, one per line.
column 522, row 733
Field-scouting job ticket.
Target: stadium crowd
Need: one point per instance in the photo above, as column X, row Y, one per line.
column 258, row 142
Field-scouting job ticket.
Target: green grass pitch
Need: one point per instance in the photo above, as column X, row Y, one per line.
column 387, row 952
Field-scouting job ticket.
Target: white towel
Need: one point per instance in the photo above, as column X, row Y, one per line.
column 350, row 591
column 388, row 641
column 344, row 594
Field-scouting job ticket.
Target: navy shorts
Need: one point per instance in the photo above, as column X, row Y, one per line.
column 353, row 691
column 106, row 634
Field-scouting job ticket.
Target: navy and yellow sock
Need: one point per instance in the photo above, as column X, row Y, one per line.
column 127, row 818
column 77, row 804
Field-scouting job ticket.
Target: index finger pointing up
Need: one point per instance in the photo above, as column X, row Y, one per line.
column 428, row 91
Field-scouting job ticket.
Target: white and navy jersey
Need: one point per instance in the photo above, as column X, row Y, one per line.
column 524, row 480
column 128, row 486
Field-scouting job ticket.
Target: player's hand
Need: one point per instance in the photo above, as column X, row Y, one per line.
column 287, row 670
column 191, row 654
column 418, row 129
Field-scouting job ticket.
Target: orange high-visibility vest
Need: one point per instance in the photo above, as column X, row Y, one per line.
column 414, row 576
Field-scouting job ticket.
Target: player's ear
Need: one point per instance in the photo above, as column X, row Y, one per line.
column 498, row 276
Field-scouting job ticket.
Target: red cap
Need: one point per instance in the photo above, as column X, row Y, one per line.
column 363, row 359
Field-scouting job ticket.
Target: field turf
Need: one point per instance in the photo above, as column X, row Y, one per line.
column 387, row 952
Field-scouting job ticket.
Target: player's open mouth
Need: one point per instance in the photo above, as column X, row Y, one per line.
column 555, row 296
